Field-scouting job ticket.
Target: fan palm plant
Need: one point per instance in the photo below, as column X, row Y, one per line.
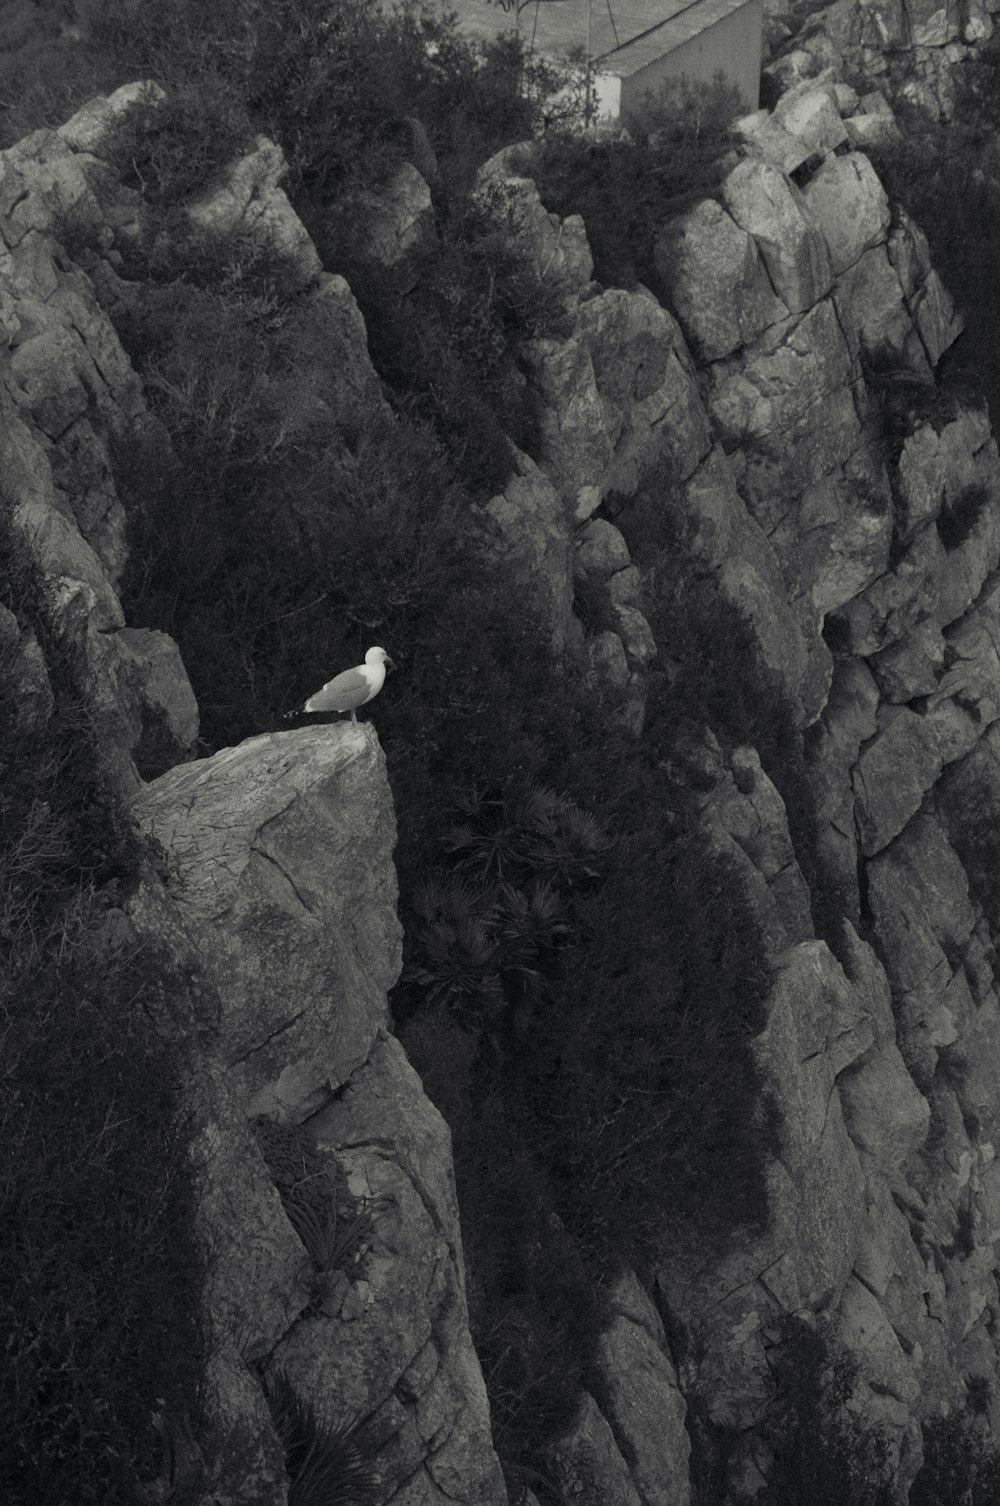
column 326, row 1465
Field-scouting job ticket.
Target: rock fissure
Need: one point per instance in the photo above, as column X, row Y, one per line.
column 251, row 1051
column 269, row 857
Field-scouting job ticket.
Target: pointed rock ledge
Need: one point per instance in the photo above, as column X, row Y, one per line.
column 279, row 857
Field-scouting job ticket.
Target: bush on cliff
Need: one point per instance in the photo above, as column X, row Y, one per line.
column 961, row 1464
column 946, row 174
column 626, row 188
column 620, row 1091
column 327, row 81
column 100, row 1271
column 446, row 342
column 822, row 1451
column 45, row 73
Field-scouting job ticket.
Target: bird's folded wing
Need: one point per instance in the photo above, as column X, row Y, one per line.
column 352, row 683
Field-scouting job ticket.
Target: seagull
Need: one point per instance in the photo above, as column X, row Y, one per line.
column 347, row 691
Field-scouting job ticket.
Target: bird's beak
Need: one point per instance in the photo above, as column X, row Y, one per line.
column 388, row 663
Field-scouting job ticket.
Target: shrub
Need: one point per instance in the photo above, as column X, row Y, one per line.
column 946, row 176
column 101, row 1273
column 534, row 1305
column 327, row 82
column 100, row 1270
column 637, row 1079
column 626, row 1120
column 525, row 834
column 959, row 517
column 326, row 1463
column 821, row 1450
column 171, row 151
column 447, row 341
column 961, row 1464
column 626, row 189
column 46, row 71
column 609, row 1110
column 486, row 938
column 331, row 1224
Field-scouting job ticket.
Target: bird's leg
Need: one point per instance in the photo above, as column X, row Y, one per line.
column 353, row 717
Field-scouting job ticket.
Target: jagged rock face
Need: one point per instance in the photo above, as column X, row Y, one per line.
column 587, row 1463
column 395, row 1346
column 869, row 581
column 528, row 524
column 917, row 43
column 756, row 407
column 794, row 248
column 67, row 394
column 640, row 1398
column 557, row 246
column 912, row 696
column 279, row 889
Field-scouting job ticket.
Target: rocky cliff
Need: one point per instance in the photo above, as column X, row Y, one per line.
column 910, row 49
column 788, row 406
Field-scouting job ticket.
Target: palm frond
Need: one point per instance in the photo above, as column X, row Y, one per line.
column 325, row 1462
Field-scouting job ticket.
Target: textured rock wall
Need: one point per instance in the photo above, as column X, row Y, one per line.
column 909, row 47
column 279, row 893
column 748, row 397
column 67, row 396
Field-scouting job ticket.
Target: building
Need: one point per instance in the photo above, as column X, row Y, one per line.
column 635, row 46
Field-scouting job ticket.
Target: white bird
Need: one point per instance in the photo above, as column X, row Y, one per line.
column 352, row 688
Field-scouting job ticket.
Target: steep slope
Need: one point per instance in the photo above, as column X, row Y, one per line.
column 798, row 436
column 281, row 943
column 783, row 420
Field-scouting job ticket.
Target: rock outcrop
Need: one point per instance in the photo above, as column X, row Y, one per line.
column 279, row 881
column 909, row 46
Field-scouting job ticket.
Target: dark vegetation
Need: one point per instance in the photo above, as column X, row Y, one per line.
column 327, row 1465
column 100, row 1273
column 812, row 1446
column 626, row 188
column 961, row 1462
column 901, row 400
column 448, row 345
column 948, row 177
column 821, row 1452
column 974, row 832
column 960, row 515
column 815, row 1447
column 583, row 972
